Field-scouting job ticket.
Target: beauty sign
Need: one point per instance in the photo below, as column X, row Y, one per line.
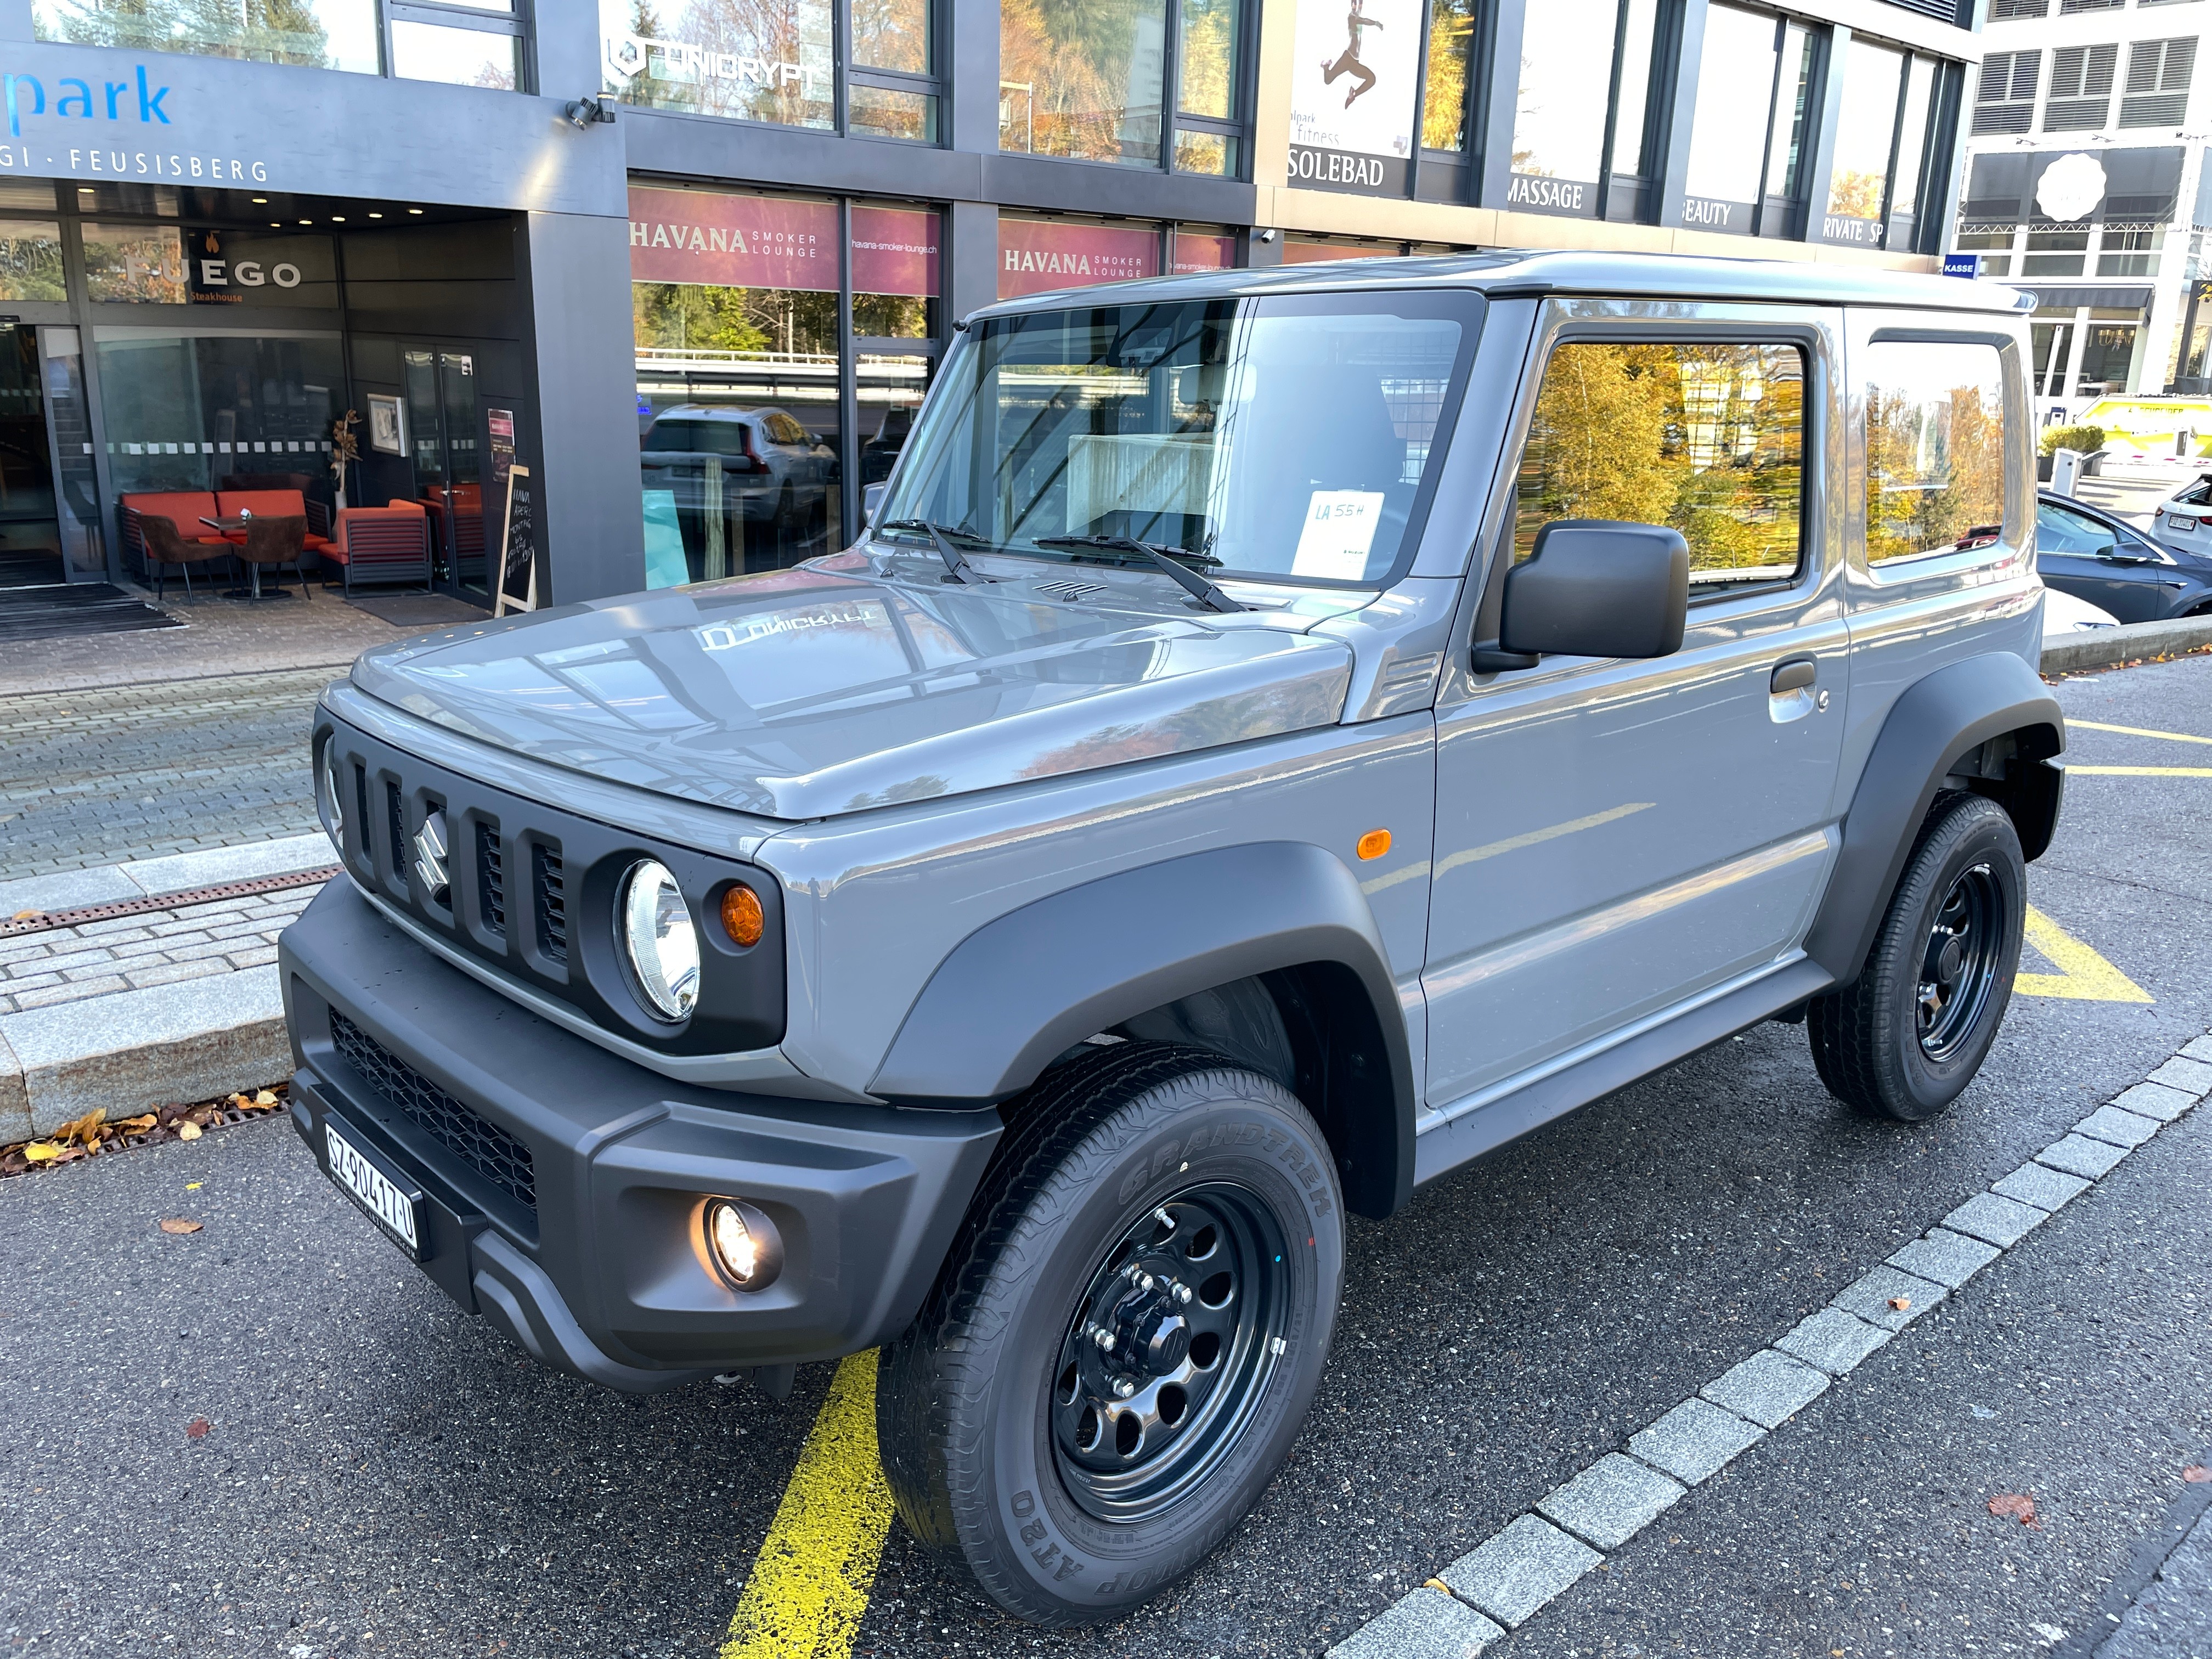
column 1352, row 93
column 1339, row 529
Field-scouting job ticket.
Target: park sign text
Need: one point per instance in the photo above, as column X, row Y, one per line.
column 51, row 112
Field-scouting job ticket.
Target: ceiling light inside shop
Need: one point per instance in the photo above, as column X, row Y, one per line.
column 376, row 215
column 84, row 190
column 275, row 225
column 418, row 212
column 306, row 221
column 261, row 201
column 337, row 218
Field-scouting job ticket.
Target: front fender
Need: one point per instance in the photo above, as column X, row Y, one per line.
column 1021, row 990
column 1929, row 730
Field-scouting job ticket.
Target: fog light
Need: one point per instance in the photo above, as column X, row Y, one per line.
column 745, row 1244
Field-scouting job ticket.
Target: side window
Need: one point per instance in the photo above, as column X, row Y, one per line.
column 1934, row 445
column 1703, row 435
column 2057, row 531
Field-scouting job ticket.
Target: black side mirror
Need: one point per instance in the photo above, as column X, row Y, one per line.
column 1593, row 587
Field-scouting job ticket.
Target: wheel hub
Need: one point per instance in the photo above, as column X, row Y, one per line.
column 1168, row 1352
column 1959, row 962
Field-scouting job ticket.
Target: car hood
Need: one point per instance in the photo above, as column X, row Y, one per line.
column 832, row 689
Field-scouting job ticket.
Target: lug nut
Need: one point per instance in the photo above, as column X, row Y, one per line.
column 1103, row 1337
column 1123, row 1388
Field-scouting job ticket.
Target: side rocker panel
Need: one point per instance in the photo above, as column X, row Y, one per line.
column 1024, row 988
column 1931, row 725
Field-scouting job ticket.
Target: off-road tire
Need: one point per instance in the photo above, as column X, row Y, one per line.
column 965, row 1406
column 1867, row 1039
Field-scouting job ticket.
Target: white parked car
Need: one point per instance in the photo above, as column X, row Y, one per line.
column 2185, row 519
column 2063, row 614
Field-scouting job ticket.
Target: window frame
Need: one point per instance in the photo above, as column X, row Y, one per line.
column 1938, row 561
column 1818, row 348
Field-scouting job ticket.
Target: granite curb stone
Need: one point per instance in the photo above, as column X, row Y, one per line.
column 2184, row 1072
column 2046, row 1188
column 1996, row 1220
column 1769, row 1388
column 1610, row 1501
column 2078, row 1155
column 1426, row 1623
column 1833, row 1340
column 1695, row 1441
column 1870, row 1295
column 1513, row 1572
column 2155, row 1100
column 1950, row 1258
column 2119, row 1128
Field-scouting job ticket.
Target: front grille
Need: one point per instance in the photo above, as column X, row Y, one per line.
column 398, row 821
column 488, row 1150
column 491, row 880
column 552, row 901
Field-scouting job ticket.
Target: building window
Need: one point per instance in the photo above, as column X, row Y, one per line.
column 31, row 262
column 1858, row 180
column 2005, row 100
column 776, row 63
column 1443, row 98
column 1748, row 134
column 2069, row 7
column 1572, row 129
column 2130, row 250
column 1090, row 79
column 467, row 45
column 2157, row 92
column 2080, row 87
column 754, row 408
column 2003, row 10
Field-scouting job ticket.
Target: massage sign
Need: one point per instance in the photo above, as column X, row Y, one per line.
column 1353, row 93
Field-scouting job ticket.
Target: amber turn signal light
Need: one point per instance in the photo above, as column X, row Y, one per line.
column 1375, row 843
column 741, row 915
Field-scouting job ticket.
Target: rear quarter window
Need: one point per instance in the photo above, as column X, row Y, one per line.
column 1934, row 445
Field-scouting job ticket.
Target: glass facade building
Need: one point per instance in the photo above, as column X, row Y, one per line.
column 679, row 272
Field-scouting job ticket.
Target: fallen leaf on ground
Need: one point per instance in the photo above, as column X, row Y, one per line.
column 177, row 1223
column 1436, row 1584
column 2015, row 1506
column 1900, row 1302
column 188, row 1130
column 41, row 1151
column 26, row 915
column 197, row 1429
column 2196, row 1474
column 133, row 1126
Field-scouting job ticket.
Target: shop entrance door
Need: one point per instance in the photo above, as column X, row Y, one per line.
column 443, row 428
column 30, row 530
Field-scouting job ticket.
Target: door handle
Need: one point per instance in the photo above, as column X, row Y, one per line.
column 1795, row 675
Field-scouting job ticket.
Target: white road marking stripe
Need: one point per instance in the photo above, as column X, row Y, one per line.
column 1509, row 1576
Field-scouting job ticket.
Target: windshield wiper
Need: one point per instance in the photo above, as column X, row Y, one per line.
column 1168, row 559
column 941, row 537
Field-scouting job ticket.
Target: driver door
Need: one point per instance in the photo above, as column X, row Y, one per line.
column 1617, row 838
column 2084, row 556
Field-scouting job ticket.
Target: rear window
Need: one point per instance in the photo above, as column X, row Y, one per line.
column 1934, row 445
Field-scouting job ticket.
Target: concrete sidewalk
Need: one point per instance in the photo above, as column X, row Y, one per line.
column 175, row 1004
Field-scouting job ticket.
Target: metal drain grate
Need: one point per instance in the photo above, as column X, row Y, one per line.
column 44, row 921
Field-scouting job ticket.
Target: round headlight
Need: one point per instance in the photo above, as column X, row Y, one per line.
column 658, row 937
column 334, row 802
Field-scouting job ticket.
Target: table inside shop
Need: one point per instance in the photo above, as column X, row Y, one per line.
column 236, row 527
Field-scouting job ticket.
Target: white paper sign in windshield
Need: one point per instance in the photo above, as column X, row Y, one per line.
column 1352, row 95
column 1340, row 528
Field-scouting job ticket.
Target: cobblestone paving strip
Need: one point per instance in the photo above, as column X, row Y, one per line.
column 1512, row 1574
column 157, row 947
column 112, row 773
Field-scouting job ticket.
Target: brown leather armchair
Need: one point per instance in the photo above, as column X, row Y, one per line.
column 165, row 545
column 276, row 542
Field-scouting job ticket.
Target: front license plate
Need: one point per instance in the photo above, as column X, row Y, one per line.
column 395, row 1209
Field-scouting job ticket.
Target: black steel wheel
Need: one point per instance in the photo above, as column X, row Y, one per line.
column 1908, row 1034
column 1126, row 1335
column 1171, row 1351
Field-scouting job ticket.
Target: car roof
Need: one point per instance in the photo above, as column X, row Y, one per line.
column 715, row 411
column 1523, row 275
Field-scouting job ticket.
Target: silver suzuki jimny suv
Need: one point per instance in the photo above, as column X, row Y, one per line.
column 1283, row 735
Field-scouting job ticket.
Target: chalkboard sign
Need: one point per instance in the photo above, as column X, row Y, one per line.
column 518, row 547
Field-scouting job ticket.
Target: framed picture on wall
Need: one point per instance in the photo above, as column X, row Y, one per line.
column 387, row 424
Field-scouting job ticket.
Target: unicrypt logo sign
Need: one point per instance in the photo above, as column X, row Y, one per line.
column 629, row 56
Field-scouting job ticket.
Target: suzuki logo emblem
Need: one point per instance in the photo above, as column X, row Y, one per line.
column 430, row 859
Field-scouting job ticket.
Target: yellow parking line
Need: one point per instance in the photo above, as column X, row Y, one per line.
column 809, row 1583
column 2144, row 771
column 2082, row 975
column 2135, row 731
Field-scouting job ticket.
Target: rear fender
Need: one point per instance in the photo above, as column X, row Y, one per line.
column 1988, row 723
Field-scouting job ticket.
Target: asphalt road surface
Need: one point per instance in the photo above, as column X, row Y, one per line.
column 272, row 1437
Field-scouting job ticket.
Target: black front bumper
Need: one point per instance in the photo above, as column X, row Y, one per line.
column 573, row 1220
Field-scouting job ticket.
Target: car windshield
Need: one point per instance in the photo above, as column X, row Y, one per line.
column 1289, row 437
